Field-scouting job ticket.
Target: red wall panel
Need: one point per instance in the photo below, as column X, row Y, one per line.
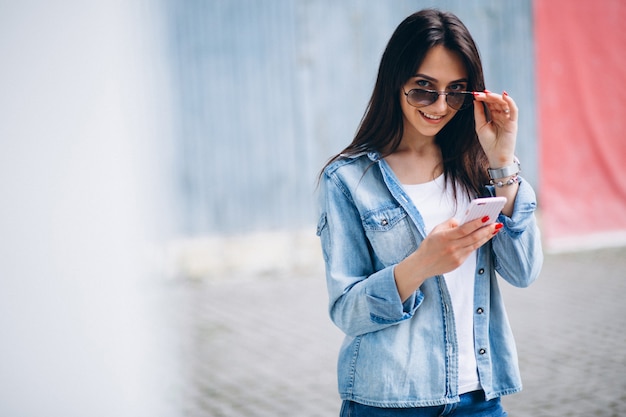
column 581, row 94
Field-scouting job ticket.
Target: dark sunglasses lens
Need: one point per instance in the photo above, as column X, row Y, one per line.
column 420, row 98
column 459, row 101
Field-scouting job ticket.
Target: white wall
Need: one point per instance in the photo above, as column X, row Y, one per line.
column 80, row 204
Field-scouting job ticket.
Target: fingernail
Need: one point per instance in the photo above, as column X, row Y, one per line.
column 498, row 226
column 485, row 219
column 475, row 93
column 504, row 93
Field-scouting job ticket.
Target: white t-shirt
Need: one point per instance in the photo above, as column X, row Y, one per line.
column 437, row 205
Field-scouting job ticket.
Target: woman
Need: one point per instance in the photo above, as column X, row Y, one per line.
column 415, row 292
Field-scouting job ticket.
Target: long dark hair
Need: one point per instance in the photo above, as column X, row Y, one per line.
column 382, row 126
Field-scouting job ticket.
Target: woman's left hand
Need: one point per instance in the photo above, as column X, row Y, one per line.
column 497, row 129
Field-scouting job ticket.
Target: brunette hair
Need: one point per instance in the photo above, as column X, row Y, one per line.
column 381, row 128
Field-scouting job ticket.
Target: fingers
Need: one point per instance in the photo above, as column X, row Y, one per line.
column 448, row 246
column 471, row 226
column 481, row 223
column 479, row 237
column 480, row 114
column 512, row 107
column 501, row 107
column 476, row 232
column 449, row 226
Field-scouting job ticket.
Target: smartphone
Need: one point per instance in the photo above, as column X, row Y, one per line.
column 481, row 207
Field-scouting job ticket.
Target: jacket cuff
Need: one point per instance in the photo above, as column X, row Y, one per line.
column 523, row 210
column 385, row 305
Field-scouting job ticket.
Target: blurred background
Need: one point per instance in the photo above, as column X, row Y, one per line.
column 145, row 143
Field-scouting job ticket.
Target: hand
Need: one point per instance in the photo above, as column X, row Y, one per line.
column 446, row 247
column 497, row 136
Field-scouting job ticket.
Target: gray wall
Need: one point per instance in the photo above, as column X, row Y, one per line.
column 265, row 91
column 81, row 185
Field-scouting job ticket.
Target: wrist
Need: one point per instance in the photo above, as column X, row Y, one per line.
column 501, row 161
column 507, row 170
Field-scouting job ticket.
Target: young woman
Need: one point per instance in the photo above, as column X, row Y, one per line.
column 414, row 291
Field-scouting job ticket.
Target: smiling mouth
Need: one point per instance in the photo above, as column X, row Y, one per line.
column 431, row 116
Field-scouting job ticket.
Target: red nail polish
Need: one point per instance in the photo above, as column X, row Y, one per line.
column 485, row 219
column 475, row 93
column 504, row 93
column 498, row 226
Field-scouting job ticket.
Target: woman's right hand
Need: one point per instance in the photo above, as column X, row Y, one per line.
column 445, row 248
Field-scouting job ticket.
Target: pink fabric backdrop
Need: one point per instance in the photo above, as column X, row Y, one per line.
column 581, row 91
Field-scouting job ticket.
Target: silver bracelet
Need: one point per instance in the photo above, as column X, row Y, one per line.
column 507, row 171
column 513, row 180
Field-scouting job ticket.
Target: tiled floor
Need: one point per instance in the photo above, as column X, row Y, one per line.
column 262, row 346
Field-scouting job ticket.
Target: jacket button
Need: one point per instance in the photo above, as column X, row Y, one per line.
column 482, row 351
column 384, row 222
column 479, row 310
column 481, row 271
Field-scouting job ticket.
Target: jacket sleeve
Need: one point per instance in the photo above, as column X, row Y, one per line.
column 361, row 299
column 517, row 248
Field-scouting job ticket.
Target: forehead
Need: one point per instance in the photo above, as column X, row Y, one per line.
column 442, row 65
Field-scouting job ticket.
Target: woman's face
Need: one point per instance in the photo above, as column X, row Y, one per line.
column 441, row 70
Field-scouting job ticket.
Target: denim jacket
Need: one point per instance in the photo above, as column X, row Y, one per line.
column 399, row 354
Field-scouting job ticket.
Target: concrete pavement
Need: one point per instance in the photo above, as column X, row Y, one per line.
column 263, row 345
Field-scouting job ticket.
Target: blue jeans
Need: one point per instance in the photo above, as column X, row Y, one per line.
column 472, row 404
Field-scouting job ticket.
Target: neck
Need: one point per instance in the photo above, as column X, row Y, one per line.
column 416, row 162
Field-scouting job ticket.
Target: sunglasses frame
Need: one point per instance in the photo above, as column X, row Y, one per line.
column 465, row 104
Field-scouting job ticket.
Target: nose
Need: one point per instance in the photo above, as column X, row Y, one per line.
column 441, row 105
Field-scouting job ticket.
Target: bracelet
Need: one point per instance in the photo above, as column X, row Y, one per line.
column 507, row 171
column 512, row 180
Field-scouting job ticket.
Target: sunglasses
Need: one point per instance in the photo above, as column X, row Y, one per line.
column 458, row 100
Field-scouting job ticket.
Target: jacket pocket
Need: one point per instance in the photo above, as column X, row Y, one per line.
column 388, row 230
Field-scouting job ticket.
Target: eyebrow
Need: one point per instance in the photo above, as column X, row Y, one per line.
column 460, row 80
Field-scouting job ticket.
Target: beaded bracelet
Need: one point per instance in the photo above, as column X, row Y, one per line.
column 513, row 180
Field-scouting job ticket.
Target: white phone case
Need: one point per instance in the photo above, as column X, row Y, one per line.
column 481, row 207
